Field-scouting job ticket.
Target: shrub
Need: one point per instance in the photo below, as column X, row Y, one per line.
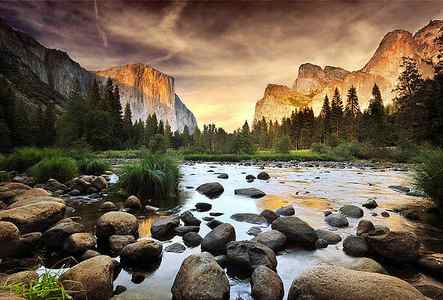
column 24, row 158
column 156, row 177
column 59, row 168
column 283, row 145
column 429, row 176
column 93, row 166
column 45, row 288
column 320, row 148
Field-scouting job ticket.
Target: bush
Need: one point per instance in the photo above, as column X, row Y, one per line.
column 156, row 177
column 24, row 158
column 93, row 166
column 283, row 145
column 429, row 176
column 320, row 148
column 59, row 168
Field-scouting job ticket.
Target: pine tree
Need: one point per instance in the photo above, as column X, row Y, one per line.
column 352, row 114
column 48, row 131
column 127, row 126
column 336, row 114
column 94, row 98
column 325, row 119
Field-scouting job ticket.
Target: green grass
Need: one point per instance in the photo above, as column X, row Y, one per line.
column 59, row 168
column 93, row 166
column 429, row 176
column 123, row 154
column 47, row 287
column 24, row 158
column 154, row 177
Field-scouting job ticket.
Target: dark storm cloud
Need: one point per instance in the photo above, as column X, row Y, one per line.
column 222, row 53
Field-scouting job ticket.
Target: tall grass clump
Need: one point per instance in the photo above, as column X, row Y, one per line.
column 59, row 168
column 429, row 176
column 46, row 287
column 24, row 158
column 93, row 166
column 154, row 177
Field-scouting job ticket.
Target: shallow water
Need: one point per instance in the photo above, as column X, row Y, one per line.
column 312, row 190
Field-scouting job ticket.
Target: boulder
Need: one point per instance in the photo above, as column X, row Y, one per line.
column 188, row 219
column 108, row 206
column 54, row 186
column 333, row 282
column 27, row 244
column 132, row 202
column 249, row 218
column 118, row 242
column 216, row 240
column 78, row 243
column 116, row 222
column 9, row 235
column 330, row 237
column 175, row 248
column 33, row 200
column 254, row 230
column 263, row 176
column 192, row 239
column 9, row 295
column 273, row 239
column 214, row 223
column 164, row 228
column 31, row 193
column 202, row 206
column 100, row 183
column 432, row 263
column 365, row 264
column 211, row 190
column 250, row 178
column 151, row 209
column 34, row 217
column 355, row 246
column 269, row 215
column 396, row 246
column 351, row 211
column 91, row 279
column 365, row 227
column 223, row 176
column 296, row 231
column 55, row 236
column 287, row 210
column 182, row 230
column 337, row 220
column 266, row 284
column 248, row 255
column 432, row 291
column 370, row 204
column 89, row 254
column 321, row 243
column 250, row 192
column 143, row 252
column 24, row 278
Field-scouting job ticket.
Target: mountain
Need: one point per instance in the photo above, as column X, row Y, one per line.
column 148, row 91
column 314, row 82
column 38, row 76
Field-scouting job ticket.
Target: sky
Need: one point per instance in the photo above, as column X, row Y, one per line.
column 221, row 53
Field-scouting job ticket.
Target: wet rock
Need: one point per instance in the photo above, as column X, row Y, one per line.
column 182, row 230
column 34, row 217
column 321, row 243
column 351, row 211
column 141, row 253
column 250, row 178
column 108, row 206
column 53, row 186
column 254, row 231
column 192, row 239
column 100, row 183
column 207, row 278
column 91, row 279
column 250, row 192
column 215, row 241
column 80, row 242
column 34, row 200
column 79, row 184
column 74, row 193
column 116, row 222
column 211, row 190
column 55, row 236
column 266, row 284
column 9, row 295
column 263, row 176
column 25, row 278
column 355, row 246
column 222, row 260
column 432, row 263
column 269, row 215
column 175, row 248
column 396, row 246
column 365, row 227
column 400, row 189
column 188, row 219
column 207, row 219
column 89, row 254
column 385, row 214
column 118, row 242
column 430, row 290
column 216, row 214
column 151, row 209
column 337, row 220
column 202, row 206
column 287, row 210
column 164, row 228
column 119, row 289
column 327, row 213
column 249, row 255
column 334, row 282
column 410, row 214
column 330, row 237
column 365, row 264
column 133, row 203
column 214, row 223
column 27, row 244
column 9, row 235
column 296, row 231
column 370, row 204
column 223, row 176
column 249, row 218
column 30, row 193
column 273, row 239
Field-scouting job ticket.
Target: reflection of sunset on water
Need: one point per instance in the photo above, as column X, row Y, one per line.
column 144, row 225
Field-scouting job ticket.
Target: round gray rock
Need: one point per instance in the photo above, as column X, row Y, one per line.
column 273, row 239
column 296, row 231
column 216, row 240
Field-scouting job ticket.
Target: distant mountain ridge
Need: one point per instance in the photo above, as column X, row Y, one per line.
column 39, row 76
column 314, row 82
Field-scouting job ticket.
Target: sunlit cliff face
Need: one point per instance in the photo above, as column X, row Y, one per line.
column 222, row 55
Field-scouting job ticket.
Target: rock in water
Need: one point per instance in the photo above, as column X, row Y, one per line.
column 91, row 279
column 9, row 235
column 192, row 239
column 78, row 243
column 328, row 236
column 351, row 211
column 266, row 284
column 355, row 246
column 249, row 218
column 200, row 277
column 164, row 228
column 250, row 192
column 188, row 218
column 141, row 253
column 333, row 282
column 396, row 246
column 249, row 255
column 216, row 240
column 296, row 231
column 211, row 190
column 133, row 202
column 116, row 222
column 269, row 215
column 273, row 239
column 263, row 176
column 287, row 210
column 337, row 220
